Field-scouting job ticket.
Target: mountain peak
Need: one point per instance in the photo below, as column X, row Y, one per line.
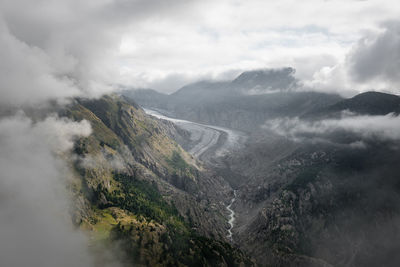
column 373, row 103
column 373, row 95
column 265, row 80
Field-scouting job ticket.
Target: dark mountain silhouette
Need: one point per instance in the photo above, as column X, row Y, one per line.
column 371, row 103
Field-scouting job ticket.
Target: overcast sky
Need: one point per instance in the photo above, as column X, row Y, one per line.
column 89, row 46
column 219, row 38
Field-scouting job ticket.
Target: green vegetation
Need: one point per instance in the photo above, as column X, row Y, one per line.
column 100, row 133
column 177, row 162
column 161, row 237
column 141, row 197
column 179, row 166
column 165, row 248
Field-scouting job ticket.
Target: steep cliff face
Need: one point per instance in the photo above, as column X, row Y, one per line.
column 134, row 184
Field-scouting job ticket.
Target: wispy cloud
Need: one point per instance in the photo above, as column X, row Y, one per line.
column 385, row 127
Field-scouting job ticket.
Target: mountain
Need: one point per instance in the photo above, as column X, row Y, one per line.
column 136, row 188
column 320, row 205
column 370, row 103
column 265, row 81
column 201, row 91
column 315, row 192
column 323, row 199
column 148, row 97
column 247, row 83
column 243, row 104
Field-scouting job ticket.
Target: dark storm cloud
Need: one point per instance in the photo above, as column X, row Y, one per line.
column 377, row 57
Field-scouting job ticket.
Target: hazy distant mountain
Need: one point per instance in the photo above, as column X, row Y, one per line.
column 147, row 97
column 249, row 82
column 243, row 104
column 265, row 81
column 201, row 91
column 371, row 103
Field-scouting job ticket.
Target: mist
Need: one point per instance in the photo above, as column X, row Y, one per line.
column 36, row 229
column 363, row 127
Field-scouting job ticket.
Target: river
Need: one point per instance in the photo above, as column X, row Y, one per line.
column 231, row 220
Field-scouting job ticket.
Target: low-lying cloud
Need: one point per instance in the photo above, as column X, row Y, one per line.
column 35, row 226
column 365, row 127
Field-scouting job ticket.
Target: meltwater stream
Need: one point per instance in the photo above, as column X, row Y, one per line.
column 231, row 217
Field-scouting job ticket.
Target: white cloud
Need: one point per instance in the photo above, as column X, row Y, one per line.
column 60, row 49
column 376, row 58
column 35, row 227
column 308, row 36
column 372, row 63
column 60, row 133
column 85, row 46
column 383, row 127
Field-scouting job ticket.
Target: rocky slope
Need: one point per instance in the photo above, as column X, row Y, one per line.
column 134, row 184
column 322, row 201
column 338, row 205
column 317, row 192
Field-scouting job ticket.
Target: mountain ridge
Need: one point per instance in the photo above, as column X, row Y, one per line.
column 233, row 104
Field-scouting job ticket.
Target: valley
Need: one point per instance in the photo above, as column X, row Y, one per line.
column 153, row 133
column 286, row 179
column 312, row 175
column 206, row 141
